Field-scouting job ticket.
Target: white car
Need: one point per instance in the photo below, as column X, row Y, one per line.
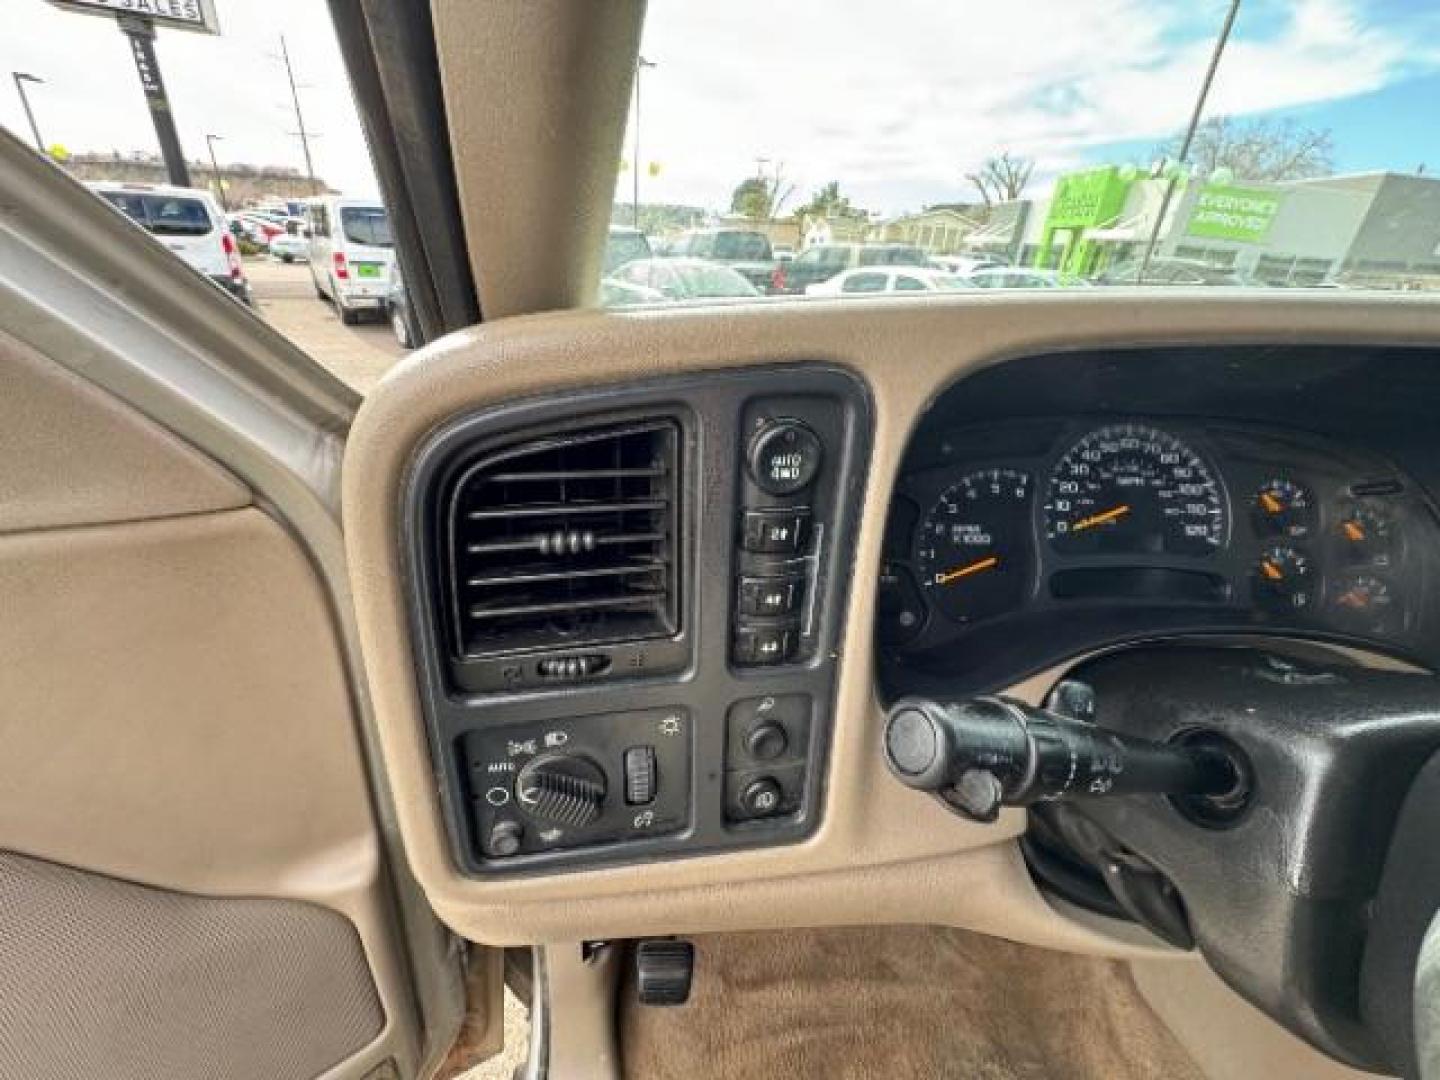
column 288, row 248
column 188, row 221
column 965, row 264
column 351, row 252
column 1019, row 277
column 886, row 279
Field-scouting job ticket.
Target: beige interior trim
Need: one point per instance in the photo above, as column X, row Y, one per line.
column 176, row 714
column 1228, row 1037
column 882, row 852
column 71, row 454
column 535, row 95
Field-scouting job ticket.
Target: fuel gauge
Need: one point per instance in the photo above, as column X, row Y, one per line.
column 1281, row 581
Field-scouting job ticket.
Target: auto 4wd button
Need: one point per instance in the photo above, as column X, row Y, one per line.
column 784, row 457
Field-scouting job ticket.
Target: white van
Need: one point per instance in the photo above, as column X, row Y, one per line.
column 351, row 252
column 188, row 221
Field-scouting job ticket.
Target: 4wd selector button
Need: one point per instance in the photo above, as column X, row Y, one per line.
column 784, row 457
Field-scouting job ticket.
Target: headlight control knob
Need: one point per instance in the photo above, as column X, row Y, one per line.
column 566, row 789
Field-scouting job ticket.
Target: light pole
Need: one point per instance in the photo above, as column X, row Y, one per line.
column 210, row 141
column 21, row 78
column 1189, row 137
column 640, row 65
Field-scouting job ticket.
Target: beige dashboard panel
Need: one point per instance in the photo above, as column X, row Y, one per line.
column 71, row 454
column 882, row 853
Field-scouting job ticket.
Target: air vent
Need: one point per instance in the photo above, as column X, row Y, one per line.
column 566, row 541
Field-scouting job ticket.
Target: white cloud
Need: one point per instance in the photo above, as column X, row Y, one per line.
column 899, row 101
column 896, row 99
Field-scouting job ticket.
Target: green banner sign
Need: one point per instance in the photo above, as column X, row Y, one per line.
column 1091, row 197
column 1233, row 213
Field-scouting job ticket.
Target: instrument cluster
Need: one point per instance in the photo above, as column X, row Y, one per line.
column 1049, row 537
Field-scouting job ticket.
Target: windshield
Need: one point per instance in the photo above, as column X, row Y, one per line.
column 366, row 225
column 163, row 215
column 1072, row 143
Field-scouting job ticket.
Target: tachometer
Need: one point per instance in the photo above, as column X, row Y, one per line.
column 974, row 546
column 1128, row 488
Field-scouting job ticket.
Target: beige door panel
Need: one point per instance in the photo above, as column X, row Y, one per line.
column 881, row 853
column 70, row 454
column 175, row 709
column 183, row 793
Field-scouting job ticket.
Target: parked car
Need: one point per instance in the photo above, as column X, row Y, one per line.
column 288, row 247
column 821, row 262
column 189, row 222
column 685, row 279
column 351, row 252
column 623, row 246
column 262, row 228
column 782, row 252
column 1171, row 271
column 745, row 251
column 1021, row 277
column 399, row 311
column 885, row 279
column 615, row 293
column 966, row 264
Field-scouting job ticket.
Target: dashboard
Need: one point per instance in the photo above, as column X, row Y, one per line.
column 1015, row 543
column 907, row 402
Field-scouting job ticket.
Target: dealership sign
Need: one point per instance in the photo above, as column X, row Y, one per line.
column 197, row 15
column 1233, row 213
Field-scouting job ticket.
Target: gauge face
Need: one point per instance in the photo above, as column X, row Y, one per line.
column 1281, row 581
column 1366, row 534
column 1132, row 489
column 1283, row 508
column 1364, row 603
column 974, row 545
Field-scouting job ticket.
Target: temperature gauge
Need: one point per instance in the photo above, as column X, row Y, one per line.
column 1283, row 508
column 1366, row 533
column 1365, row 604
column 1282, row 582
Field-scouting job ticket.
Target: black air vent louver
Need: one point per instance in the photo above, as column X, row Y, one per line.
column 566, row 541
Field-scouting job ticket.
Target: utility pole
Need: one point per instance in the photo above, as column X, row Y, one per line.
column 640, row 65
column 1189, row 136
column 305, row 136
column 21, row 78
column 141, row 35
column 211, row 140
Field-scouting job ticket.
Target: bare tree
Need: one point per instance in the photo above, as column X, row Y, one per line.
column 1262, row 150
column 761, row 197
column 1001, row 179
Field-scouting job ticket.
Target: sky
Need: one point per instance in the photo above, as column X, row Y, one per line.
column 896, row 99
column 232, row 85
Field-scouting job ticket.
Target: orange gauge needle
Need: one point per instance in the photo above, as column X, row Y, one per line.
column 1270, row 503
column 1353, row 531
column 1100, row 519
column 1270, row 570
column 988, row 563
column 1351, row 599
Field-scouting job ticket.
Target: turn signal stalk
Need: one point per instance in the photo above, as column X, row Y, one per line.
column 985, row 753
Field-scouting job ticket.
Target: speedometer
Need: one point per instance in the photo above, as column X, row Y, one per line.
column 1131, row 489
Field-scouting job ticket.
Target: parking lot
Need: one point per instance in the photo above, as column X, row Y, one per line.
column 285, row 297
